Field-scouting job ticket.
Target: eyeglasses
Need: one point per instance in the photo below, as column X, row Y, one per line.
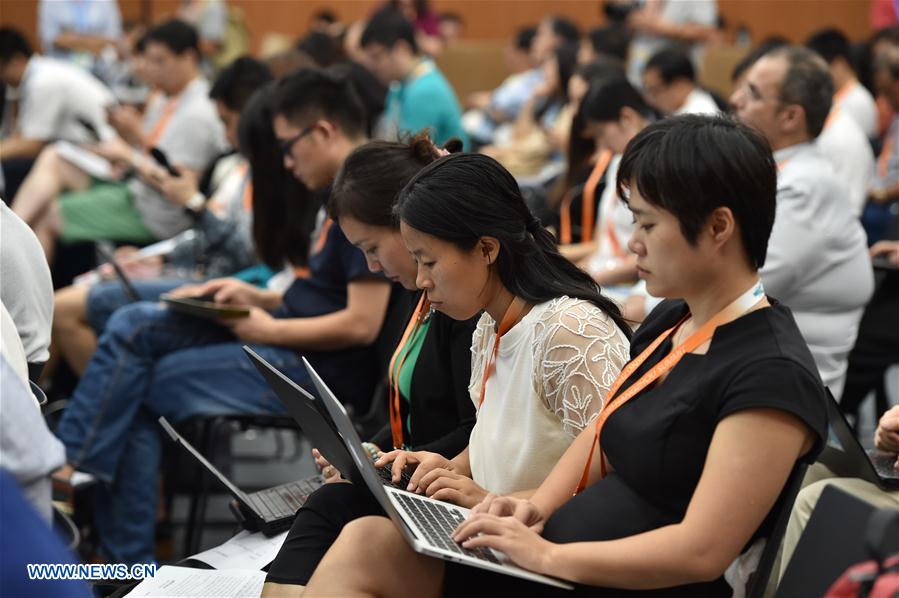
column 287, row 146
column 755, row 95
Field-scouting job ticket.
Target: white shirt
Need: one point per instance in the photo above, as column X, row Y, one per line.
column 678, row 12
column 84, row 17
column 192, row 137
column 698, row 102
column 860, row 105
column 614, row 216
column 553, row 371
column 54, row 94
column 26, row 288
column 847, row 148
column 817, row 262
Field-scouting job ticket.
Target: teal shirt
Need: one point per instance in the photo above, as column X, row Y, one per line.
column 424, row 100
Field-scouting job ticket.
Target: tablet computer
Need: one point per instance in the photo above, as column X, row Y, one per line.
column 204, row 307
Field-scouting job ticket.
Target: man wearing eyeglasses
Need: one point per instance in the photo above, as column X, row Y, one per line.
column 817, row 260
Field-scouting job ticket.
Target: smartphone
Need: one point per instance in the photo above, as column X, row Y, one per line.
column 163, row 161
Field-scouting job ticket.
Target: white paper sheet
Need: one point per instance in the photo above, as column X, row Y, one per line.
column 244, row 551
column 181, row 582
column 86, row 160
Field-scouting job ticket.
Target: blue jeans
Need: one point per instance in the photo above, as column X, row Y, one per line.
column 106, row 297
column 151, row 362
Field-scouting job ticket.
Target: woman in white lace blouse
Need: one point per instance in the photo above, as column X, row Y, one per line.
column 478, row 248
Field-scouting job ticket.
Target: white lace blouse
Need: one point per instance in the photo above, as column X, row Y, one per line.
column 553, row 371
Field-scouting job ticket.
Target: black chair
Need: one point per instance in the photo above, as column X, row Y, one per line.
column 208, row 433
column 778, row 518
column 211, row 429
column 833, row 540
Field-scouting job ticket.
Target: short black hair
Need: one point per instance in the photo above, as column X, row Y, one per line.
column 238, row 81
column 772, row 43
column 325, row 15
column 830, row 44
column 672, row 64
column 372, row 94
column 611, row 40
column 177, row 36
column 387, row 27
column 691, row 165
column 12, row 44
column 601, row 67
column 321, row 47
column 606, row 97
column 309, row 94
column 565, row 28
column 524, row 38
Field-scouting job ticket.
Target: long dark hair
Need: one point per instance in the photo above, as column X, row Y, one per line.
column 283, row 208
column 369, row 180
column 464, row 197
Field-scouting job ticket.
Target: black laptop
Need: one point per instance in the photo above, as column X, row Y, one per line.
column 316, row 423
column 846, row 457
column 270, row 511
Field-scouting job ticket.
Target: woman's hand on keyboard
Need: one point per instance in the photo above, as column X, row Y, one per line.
column 510, row 506
column 422, row 461
column 449, row 486
column 524, row 546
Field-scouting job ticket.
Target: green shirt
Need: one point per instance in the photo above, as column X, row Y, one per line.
column 410, row 351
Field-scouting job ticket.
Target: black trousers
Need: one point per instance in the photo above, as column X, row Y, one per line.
column 877, row 345
column 317, row 525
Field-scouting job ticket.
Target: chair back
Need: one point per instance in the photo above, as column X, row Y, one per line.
column 779, row 517
column 833, row 539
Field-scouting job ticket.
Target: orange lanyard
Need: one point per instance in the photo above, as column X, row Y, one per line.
column 613, row 401
column 396, row 366
column 610, row 229
column 322, row 236
column 248, row 191
column 162, row 124
column 509, row 318
column 587, row 203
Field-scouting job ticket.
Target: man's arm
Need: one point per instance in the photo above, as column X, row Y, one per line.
column 359, row 323
column 20, row 147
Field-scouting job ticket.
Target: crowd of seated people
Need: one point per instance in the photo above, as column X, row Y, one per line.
column 598, row 308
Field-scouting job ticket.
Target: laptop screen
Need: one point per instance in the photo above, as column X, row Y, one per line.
column 212, row 468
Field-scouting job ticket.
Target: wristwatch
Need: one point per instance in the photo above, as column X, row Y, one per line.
column 196, row 203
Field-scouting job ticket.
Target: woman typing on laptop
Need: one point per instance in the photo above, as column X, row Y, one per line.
column 676, row 478
column 486, row 255
column 430, row 369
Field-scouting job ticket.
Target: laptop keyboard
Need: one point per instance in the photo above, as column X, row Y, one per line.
column 438, row 522
column 386, row 475
column 285, row 500
column 883, row 465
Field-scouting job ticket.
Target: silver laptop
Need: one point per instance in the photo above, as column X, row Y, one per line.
column 427, row 524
